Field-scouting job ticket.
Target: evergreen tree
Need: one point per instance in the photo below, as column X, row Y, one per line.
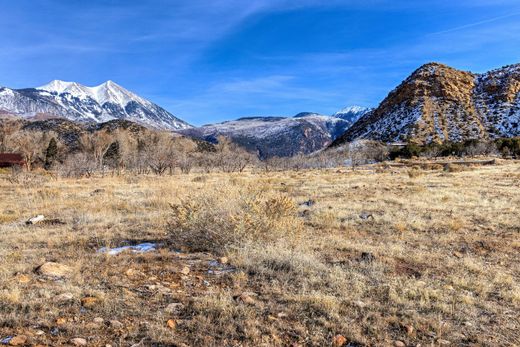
column 112, row 156
column 51, row 153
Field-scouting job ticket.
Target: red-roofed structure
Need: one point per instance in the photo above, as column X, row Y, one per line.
column 11, row 160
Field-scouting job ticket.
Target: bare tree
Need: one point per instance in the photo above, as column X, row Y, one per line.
column 31, row 144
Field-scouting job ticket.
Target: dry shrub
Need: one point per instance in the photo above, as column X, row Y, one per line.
column 450, row 167
column 228, row 216
column 415, row 172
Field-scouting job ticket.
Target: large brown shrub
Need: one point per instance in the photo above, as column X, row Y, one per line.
column 229, row 216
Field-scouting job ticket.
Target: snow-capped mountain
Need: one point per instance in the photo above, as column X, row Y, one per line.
column 304, row 133
column 438, row 103
column 77, row 102
column 352, row 113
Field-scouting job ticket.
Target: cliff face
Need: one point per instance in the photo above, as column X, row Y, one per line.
column 438, row 103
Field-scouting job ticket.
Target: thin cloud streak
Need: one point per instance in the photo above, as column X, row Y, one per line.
column 475, row 24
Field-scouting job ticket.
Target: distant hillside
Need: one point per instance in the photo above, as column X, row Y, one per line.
column 304, row 133
column 438, row 103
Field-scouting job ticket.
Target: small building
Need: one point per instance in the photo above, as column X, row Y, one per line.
column 11, row 160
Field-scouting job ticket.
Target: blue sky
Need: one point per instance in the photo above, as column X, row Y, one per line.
column 209, row 60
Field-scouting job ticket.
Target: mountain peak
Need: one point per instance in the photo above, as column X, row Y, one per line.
column 58, row 86
column 77, row 102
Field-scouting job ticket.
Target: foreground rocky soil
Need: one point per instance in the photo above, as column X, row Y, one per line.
column 374, row 257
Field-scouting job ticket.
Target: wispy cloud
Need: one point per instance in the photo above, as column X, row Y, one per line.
column 476, row 24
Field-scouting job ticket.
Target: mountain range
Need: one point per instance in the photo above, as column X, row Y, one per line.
column 438, row 103
column 76, row 102
column 304, row 133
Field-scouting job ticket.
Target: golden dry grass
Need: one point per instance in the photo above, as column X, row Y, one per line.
column 378, row 255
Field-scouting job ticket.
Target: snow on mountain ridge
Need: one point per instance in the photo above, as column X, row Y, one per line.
column 79, row 103
column 108, row 91
column 352, row 109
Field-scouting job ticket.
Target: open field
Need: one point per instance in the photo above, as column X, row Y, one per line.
column 382, row 256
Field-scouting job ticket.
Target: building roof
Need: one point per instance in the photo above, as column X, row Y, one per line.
column 11, row 158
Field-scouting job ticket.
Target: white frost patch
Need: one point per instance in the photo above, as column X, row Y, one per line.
column 140, row 248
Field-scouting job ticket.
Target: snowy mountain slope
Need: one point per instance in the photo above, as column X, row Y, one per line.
column 352, row 113
column 438, row 103
column 76, row 102
column 277, row 136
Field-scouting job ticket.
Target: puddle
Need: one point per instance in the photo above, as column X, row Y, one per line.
column 6, row 340
column 140, row 248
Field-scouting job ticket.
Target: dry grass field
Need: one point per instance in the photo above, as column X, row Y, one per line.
column 383, row 256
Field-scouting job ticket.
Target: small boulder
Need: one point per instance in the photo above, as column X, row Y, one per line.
column 185, row 270
column 89, row 301
column 339, row 341
column 399, row 344
column 172, row 324
column 116, row 324
column 247, row 299
column 78, row 341
column 35, row 220
column 23, row 279
column 18, row 340
column 409, row 329
column 54, row 270
column 224, row 260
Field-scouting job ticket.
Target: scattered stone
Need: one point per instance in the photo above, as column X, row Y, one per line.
column 54, row 270
column 24, row 279
column 116, row 324
column 409, row 329
column 18, row 340
column 99, row 320
column 339, row 341
column 399, row 344
column 35, row 220
column 78, row 341
column 61, row 321
column 442, row 342
column 65, row 297
column 281, row 315
column 185, row 270
column 224, row 260
column 89, row 301
column 246, row 299
column 308, row 203
column 175, row 307
column 360, row 304
column 457, row 254
column 366, row 215
column 171, row 324
column 130, row 272
column 39, row 332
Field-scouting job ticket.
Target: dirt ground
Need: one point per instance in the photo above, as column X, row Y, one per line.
column 378, row 256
